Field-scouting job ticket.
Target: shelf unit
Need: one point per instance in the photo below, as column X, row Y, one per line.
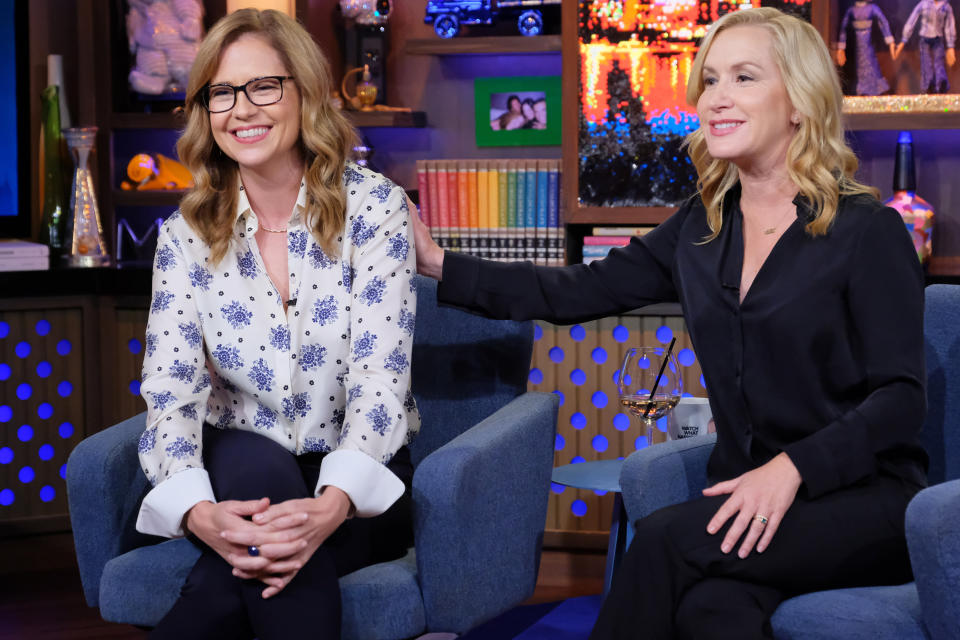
column 482, row 45
column 900, row 121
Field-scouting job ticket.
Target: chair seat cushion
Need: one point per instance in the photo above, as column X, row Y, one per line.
column 380, row 602
column 868, row 613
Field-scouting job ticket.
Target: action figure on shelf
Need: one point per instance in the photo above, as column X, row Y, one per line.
column 163, row 36
column 870, row 81
column 938, row 35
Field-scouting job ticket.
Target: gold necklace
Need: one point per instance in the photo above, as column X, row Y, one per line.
column 771, row 230
column 266, row 228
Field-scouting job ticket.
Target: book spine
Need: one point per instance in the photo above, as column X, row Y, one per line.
column 621, row 231
column 422, row 189
column 493, row 213
column 614, row 241
column 541, row 233
column 503, row 217
column 443, row 206
column 483, row 208
column 554, row 246
column 591, row 250
column 472, row 217
column 430, row 198
column 530, row 212
column 510, row 250
column 453, row 199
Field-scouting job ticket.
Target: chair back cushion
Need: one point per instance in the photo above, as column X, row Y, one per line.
column 465, row 367
column 940, row 435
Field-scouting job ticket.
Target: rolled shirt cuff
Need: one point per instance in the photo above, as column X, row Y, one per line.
column 163, row 509
column 372, row 487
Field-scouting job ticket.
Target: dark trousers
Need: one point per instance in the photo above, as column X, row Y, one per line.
column 215, row 604
column 675, row 582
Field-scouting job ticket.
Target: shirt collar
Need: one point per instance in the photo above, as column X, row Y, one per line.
column 245, row 212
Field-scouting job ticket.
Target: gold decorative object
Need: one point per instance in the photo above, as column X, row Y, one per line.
column 366, row 92
column 919, row 103
column 151, row 173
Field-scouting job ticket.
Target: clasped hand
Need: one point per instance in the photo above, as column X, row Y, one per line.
column 766, row 491
column 286, row 534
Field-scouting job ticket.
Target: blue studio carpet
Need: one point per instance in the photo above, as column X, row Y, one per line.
column 565, row 620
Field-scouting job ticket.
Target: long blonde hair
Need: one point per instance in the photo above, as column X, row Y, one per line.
column 818, row 159
column 326, row 138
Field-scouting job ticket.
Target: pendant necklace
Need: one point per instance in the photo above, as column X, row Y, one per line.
column 284, row 230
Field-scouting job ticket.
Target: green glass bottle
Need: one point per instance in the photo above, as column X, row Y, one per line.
column 54, row 197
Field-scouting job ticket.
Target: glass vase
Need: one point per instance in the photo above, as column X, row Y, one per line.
column 86, row 245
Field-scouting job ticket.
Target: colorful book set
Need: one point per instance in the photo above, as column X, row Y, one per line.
column 498, row 209
column 603, row 239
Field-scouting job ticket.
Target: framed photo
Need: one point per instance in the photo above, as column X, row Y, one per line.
column 517, row 111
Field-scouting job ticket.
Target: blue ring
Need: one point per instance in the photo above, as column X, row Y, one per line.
column 253, row 551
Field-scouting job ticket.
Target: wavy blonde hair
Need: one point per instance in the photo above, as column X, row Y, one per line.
column 326, row 138
column 818, row 159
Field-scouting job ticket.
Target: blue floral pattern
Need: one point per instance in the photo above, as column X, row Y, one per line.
column 407, row 321
column 398, row 247
column 280, row 338
column 165, row 259
column 360, row 232
column 364, row 346
column 325, row 311
column 236, row 314
column 261, row 375
column 397, row 361
column 297, row 242
column 373, row 292
column 247, row 264
column 200, row 278
column 318, row 259
column 312, row 356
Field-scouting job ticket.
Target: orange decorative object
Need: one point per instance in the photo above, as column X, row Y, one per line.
column 156, row 172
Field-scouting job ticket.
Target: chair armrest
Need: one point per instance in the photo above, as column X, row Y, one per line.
column 480, row 504
column 933, row 537
column 665, row 474
column 104, row 488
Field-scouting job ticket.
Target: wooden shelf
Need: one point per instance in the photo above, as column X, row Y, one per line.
column 167, row 198
column 163, row 120
column 901, row 121
column 387, row 118
column 619, row 215
column 482, row 45
column 943, row 266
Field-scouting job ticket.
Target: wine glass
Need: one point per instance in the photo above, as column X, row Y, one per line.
column 649, row 384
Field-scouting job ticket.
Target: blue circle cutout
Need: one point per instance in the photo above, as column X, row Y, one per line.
column 640, row 442
column 535, row 376
column 621, row 333
column 664, row 334
column 703, row 383
column 578, row 377
column 662, row 424
column 556, row 354
column 45, row 410
column 578, row 333
column 537, row 332
column 65, row 430
column 577, row 460
column 135, row 387
column 42, row 328
column 621, row 422
column 45, row 452
column 44, row 369
column 6, row 497
column 64, row 347
column 134, row 345
column 686, row 357
column 4, row 371
column 5, row 413
column 558, row 444
column 557, row 488
column 64, row 389
column 599, row 355
column 22, row 349
column 579, row 508
column 24, row 391
column 6, row 455
column 26, row 475
column 599, row 443
column 578, row 420
column 25, row 433
column 599, row 399
column 63, row 471
column 560, row 395
column 4, row 329
column 47, row 493
column 599, row 492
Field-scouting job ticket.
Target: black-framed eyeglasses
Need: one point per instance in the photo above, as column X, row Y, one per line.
column 261, row 92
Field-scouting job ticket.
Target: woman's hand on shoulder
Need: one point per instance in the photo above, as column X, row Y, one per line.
column 429, row 253
column 766, row 492
column 288, row 534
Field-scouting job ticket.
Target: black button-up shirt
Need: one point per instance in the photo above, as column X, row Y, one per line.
column 823, row 359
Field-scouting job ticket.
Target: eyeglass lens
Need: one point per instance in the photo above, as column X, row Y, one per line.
column 260, row 92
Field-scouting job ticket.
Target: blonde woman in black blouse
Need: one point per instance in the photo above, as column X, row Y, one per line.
column 804, row 301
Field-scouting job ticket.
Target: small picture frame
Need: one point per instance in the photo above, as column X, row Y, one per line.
column 517, row 111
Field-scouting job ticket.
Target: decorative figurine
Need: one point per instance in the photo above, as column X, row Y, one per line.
column 365, row 39
column 448, row 15
column 870, row 81
column 916, row 212
column 163, row 35
column 937, row 35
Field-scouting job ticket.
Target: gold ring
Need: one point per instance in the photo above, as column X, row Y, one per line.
column 761, row 519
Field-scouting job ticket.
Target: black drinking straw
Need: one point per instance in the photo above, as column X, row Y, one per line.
column 656, row 382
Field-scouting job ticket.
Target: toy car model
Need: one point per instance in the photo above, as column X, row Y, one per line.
column 448, row 15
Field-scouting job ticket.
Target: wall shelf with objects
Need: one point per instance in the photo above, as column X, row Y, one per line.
column 165, row 198
column 409, row 119
column 482, row 45
column 901, row 121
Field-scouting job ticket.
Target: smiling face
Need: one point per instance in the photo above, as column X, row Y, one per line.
column 744, row 108
column 258, row 138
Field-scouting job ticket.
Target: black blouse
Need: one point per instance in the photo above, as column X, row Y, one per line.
column 823, row 359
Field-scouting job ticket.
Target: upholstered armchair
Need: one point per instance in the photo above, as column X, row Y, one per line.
column 483, row 461
column 928, row 608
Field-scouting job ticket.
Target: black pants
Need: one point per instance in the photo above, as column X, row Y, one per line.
column 675, row 582
column 215, row 604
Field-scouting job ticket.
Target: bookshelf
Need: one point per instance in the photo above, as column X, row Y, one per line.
column 482, row 45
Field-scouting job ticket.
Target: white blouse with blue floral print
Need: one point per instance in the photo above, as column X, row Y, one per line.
column 331, row 374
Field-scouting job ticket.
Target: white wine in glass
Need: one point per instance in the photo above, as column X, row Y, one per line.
column 649, row 384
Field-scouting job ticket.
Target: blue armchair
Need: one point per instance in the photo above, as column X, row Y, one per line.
column 926, row 609
column 483, row 461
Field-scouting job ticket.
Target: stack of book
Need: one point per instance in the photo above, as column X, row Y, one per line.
column 496, row 209
column 20, row 255
column 603, row 239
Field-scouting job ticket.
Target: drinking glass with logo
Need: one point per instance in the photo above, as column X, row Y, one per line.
column 649, row 384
